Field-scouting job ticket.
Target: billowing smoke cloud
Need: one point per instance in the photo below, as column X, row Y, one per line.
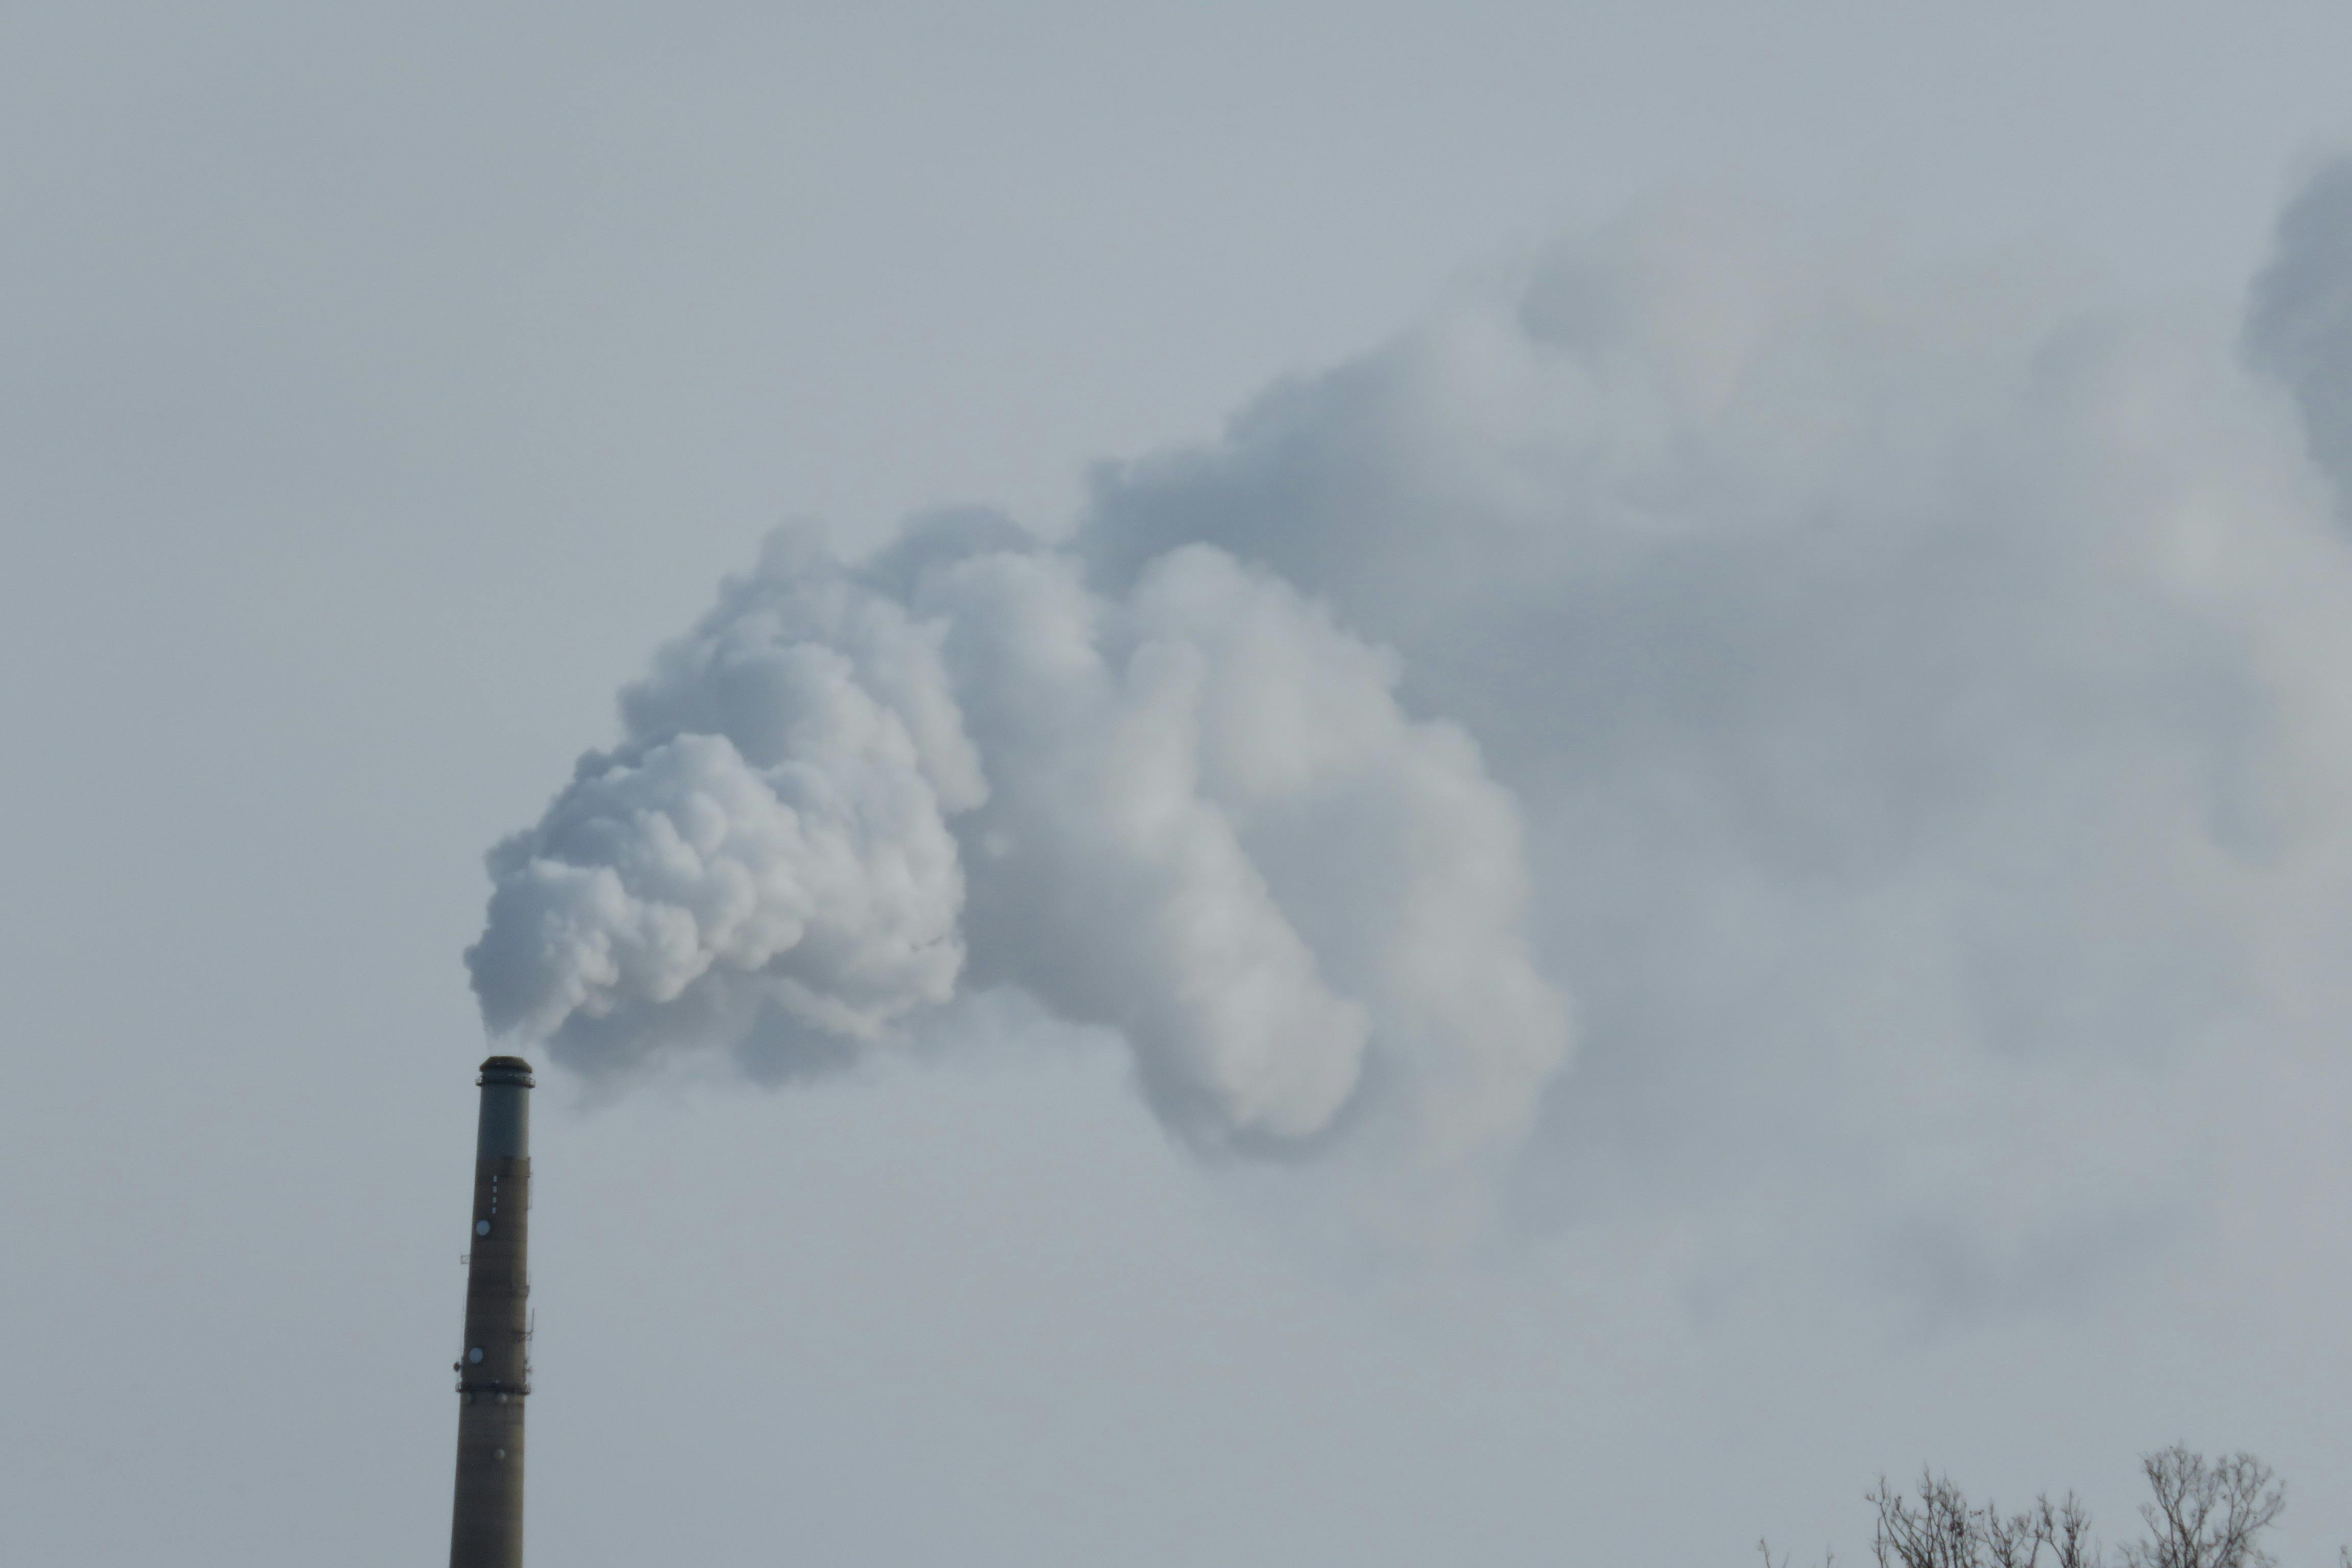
column 1931, row 704
column 1193, row 813
column 1910, row 713
column 765, row 856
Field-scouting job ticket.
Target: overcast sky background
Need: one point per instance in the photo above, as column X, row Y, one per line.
column 376, row 391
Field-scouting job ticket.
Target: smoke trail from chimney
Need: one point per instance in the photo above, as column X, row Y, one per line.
column 1881, row 693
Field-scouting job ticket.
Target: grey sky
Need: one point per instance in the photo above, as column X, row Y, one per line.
column 376, row 391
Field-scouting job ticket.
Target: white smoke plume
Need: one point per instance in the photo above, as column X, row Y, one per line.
column 764, row 855
column 1193, row 813
column 1908, row 712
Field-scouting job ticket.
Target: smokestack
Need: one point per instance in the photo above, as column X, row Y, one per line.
column 494, row 1373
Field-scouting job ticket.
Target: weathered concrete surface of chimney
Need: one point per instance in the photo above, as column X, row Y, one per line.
column 494, row 1369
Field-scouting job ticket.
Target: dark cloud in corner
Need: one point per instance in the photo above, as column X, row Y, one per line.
column 2299, row 321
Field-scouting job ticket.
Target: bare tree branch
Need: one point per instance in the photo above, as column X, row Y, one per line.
column 2205, row 1514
